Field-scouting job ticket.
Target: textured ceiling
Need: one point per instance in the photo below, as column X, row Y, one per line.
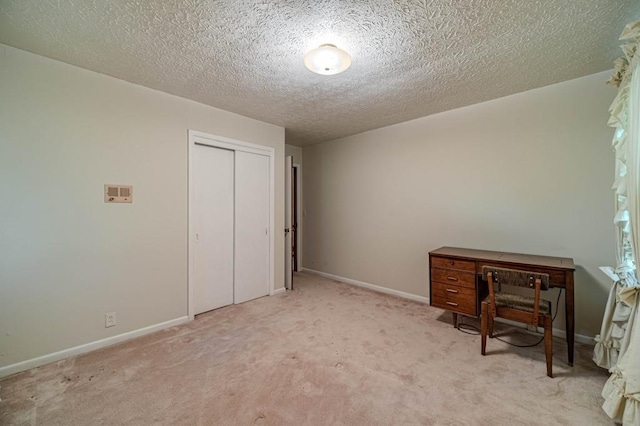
column 411, row 58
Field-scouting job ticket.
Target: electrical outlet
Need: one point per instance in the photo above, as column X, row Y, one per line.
column 109, row 319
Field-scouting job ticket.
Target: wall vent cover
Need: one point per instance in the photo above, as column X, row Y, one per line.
column 118, row 194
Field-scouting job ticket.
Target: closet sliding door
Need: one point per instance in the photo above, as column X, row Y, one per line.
column 252, row 219
column 214, row 223
column 231, row 208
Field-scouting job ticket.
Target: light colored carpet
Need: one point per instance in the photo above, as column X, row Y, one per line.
column 325, row 354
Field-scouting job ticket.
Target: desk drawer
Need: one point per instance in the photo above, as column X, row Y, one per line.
column 452, row 277
column 449, row 263
column 454, row 298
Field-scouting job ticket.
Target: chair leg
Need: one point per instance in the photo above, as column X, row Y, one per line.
column 548, row 344
column 483, row 327
column 490, row 321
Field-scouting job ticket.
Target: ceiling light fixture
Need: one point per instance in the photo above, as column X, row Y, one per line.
column 327, row 60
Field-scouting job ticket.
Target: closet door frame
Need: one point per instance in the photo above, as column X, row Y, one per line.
column 205, row 139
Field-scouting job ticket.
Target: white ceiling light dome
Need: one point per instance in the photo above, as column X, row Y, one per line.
column 327, row 59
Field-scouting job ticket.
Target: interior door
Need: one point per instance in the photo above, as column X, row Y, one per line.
column 251, row 226
column 295, row 237
column 288, row 222
column 214, row 217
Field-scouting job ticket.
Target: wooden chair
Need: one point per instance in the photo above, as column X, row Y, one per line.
column 528, row 310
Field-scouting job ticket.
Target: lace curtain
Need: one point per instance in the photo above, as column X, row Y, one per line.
column 618, row 344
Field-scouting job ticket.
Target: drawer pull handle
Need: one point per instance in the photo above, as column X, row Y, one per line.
column 452, row 278
column 450, row 290
column 452, row 304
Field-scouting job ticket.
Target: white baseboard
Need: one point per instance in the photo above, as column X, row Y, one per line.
column 580, row 338
column 88, row 347
column 373, row 287
column 278, row 291
column 588, row 340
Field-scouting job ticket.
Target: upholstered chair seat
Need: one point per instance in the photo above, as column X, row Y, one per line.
column 522, row 303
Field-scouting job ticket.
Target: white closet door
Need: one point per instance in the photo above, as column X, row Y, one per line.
column 252, row 226
column 214, row 216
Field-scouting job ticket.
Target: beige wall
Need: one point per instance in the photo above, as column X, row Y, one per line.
column 528, row 173
column 67, row 258
column 295, row 152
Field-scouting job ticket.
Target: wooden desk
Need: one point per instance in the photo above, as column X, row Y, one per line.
column 456, row 280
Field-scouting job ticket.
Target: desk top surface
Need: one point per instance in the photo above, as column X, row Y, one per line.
column 498, row 256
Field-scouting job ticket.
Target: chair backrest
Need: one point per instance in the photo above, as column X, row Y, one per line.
column 516, row 277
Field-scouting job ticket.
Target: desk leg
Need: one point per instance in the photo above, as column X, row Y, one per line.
column 455, row 319
column 569, row 314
